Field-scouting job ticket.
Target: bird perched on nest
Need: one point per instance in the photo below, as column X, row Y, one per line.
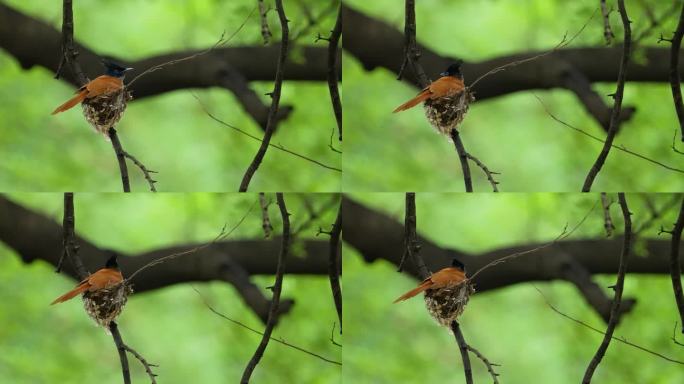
column 105, row 293
column 103, row 99
column 446, row 293
column 446, row 100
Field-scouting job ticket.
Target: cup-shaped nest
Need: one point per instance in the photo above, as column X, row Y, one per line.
column 104, row 111
column 446, row 113
column 447, row 303
column 106, row 304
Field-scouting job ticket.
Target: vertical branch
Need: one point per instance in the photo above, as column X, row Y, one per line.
column 411, row 245
column 69, row 52
column 121, row 348
column 265, row 219
column 121, row 157
column 70, row 248
column 411, row 51
column 275, row 100
column 607, row 31
column 265, row 31
column 617, row 106
column 463, row 157
column 463, row 347
column 675, row 79
column 277, row 287
column 675, row 265
column 334, row 264
column 332, row 71
column 622, row 270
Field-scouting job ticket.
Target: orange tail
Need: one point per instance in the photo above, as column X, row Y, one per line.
column 413, row 102
column 71, row 294
column 425, row 285
column 71, row 102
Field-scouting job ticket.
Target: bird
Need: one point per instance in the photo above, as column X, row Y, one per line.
column 445, row 99
column 103, row 99
column 447, row 292
column 104, row 292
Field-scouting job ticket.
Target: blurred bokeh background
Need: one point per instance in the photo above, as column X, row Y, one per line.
column 511, row 134
column 511, row 326
column 170, row 133
column 171, row 327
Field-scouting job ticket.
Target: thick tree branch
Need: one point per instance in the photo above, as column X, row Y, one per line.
column 463, row 348
column 617, row 106
column 121, row 159
column 675, row 79
column 333, row 71
column 619, row 285
column 275, row 102
column 121, row 348
column 335, row 264
column 463, row 158
column 675, row 264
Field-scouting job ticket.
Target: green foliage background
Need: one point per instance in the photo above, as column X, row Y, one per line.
column 400, row 343
column 171, row 327
column 169, row 133
column 510, row 134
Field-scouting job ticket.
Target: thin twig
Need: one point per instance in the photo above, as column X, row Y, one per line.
column 675, row 80
column 463, row 348
column 265, row 31
column 222, row 235
column 333, row 55
column 265, row 219
column 280, row 270
column 488, row 173
column 607, row 31
column 617, row 106
column 675, row 265
column 121, row 158
column 279, row 340
column 411, row 244
column 618, row 147
column 121, row 348
column 490, row 366
column 607, row 219
column 221, row 42
column 146, row 172
column 148, row 366
column 275, row 100
column 334, row 263
column 463, row 157
column 619, row 285
column 674, row 336
column 276, row 146
column 620, row 339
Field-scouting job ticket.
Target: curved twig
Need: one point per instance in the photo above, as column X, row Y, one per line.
column 619, row 285
column 278, row 285
column 490, row 366
column 617, row 106
column 275, row 100
column 148, row 366
column 488, row 173
column 146, row 172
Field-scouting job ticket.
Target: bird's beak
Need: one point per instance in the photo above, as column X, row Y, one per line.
column 444, row 74
column 127, row 69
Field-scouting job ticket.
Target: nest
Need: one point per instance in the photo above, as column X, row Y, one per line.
column 446, row 304
column 446, row 113
column 104, row 111
column 105, row 305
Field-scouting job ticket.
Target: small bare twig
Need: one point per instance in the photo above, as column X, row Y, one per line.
column 279, row 340
column 265, row 220
column 275, row 101
column 265, row 30
column 607, row 31
column 618, row 147
column 490, row 366
column 411, row 245
column 222, row 235
column 148, row 366
column 617, row 106
column 620, row 339
column 146, row 172
column 675, row 265
column 334, row 264
column 619, row 285
column 674, row 336
column 278, row 285
column 463, row 157
column 332, row 336
column 488, row 173
column 463, row 348
column 607, row 220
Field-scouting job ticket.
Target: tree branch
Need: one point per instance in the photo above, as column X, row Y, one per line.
column 675, row 80
column 675, row 265
column 463, row 158
column 275, row 96
column 277, row 287
column 333, row 59
column 121, row 158
column 463, row 348
column 335, row 263
column 617, row 106
column 121, row 348
column 622, row 270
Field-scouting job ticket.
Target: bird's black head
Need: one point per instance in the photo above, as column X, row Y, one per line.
column 454, row 70
column 114, row 69
column 457, row 264
column 111, row 262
